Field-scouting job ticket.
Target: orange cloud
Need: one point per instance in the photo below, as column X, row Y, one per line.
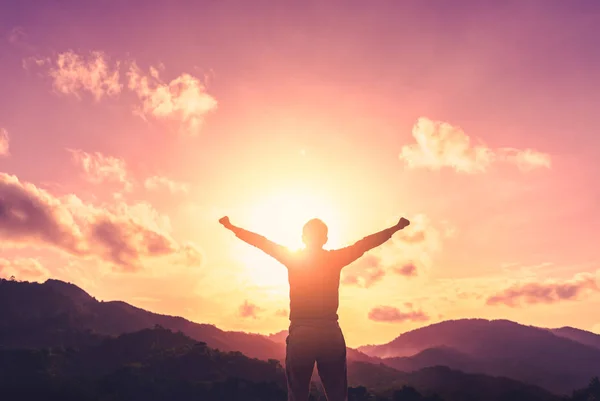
column 392, row 314
column 282, row 313
column 548, row 292
column 125, row 236
column 442, row 145
column 157, row 182
column 183, row 99
column 248, row 309
column 74, row 74
column 24, row 269
column 4, row 142
column 99, row 168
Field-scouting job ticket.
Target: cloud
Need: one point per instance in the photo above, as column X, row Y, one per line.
column 391, row 314
column 16, row 36
column 4, row 142
column 24, row 269
column 99, row 168
column 405, row 254
column 123, row 235
column 407, row 270
column 526, row 160
column 183, row 99
column 74, row 74
column 549, row 292
column 248, row 309
column 282, row 313
column 441, row 145
column 157, row 182
column 365, row 272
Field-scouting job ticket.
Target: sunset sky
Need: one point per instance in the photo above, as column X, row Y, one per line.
column 128, row 128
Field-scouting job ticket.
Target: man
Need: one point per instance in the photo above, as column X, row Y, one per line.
column 314, row 277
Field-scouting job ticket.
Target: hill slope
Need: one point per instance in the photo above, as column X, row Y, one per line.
column 58, row 313
column 157, row 364
column 581, row 336
column 497, row 347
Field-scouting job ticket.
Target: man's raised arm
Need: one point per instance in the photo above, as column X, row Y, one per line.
column 271, row 248
column 351, row 253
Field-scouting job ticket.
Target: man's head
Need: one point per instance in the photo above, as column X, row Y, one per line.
column 314, row 234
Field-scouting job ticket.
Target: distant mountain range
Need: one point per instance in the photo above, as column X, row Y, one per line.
column 473, row 352
column 559, row 360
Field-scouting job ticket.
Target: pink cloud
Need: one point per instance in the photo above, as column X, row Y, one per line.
column 157, row 182
column 122, row 235
column 407, row 270
column 365, row 272
column 4, row 142
column 442, row 145
column 99, row 168
column 184, row 99
column 391, row 314
column 248, row 309
column 74, row 74
column 545, row 293
column 24, row 269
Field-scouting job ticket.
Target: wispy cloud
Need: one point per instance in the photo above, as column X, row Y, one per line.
column 159, row 182
column 395, row 315
column 184, row 99
column 16, row 35
column 73, row 74
column 4, row 142
column 24, row 269
column 548, row 292
column 441, row 145
column 248, row 309
column 99, row 168
column 121, row 235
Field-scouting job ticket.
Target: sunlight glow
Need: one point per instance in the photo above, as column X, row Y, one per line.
column 280, row 217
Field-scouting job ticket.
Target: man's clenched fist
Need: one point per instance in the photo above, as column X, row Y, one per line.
column 225, row 221
column 402, row 223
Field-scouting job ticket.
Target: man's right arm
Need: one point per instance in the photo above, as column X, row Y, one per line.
column 271, row 248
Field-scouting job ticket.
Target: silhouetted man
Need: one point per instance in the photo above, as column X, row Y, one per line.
column 314, row 277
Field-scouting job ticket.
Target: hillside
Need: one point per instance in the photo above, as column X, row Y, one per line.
column 499, row 347
column 581, row 336
column 57, row 313
column 158, row 364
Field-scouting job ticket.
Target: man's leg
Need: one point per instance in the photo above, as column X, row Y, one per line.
column 299, row 362
column 331, row 363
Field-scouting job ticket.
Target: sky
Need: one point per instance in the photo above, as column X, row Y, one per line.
column 128, row 128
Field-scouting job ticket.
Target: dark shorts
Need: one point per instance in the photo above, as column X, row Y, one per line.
column 321, row 344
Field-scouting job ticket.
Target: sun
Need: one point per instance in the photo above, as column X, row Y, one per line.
column 280, row 217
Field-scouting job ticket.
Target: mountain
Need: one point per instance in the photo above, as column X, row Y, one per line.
column 497, row 347
column 158, row 364
column 58, row 313
column 152, row 364
column 447, row 383
column 581, row 336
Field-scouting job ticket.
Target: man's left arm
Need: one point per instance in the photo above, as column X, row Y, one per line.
column 351, row 253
